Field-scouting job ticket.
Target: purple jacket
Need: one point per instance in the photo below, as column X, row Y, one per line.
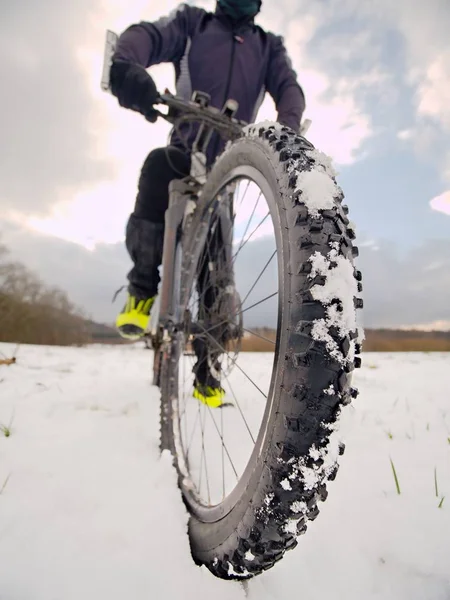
column 211, row 55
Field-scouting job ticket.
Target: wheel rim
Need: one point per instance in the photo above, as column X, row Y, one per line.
column 215, row 469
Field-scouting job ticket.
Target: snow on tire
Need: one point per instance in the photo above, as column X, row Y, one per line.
column 317, row 351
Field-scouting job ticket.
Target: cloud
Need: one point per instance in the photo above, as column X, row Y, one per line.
column 340, row 125
column 423, row 26
column 372, row 244
column 398, row 290
column 46, row 140
column 405, row 134
column 70, row 156
column 403, row 290
column 74, row 155
column 414, row 47
column 441, row 203
column 433, row 326
column 434, row 91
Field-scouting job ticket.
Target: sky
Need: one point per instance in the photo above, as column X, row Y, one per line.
column 376, row 77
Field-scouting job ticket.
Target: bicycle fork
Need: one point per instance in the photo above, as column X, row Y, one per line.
column 182, row 202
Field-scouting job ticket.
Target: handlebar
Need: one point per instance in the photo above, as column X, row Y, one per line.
column 199, row 110
column 181, row 111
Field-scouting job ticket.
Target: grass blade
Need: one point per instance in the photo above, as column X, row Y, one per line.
column 397, row 485
column 436, row 489
column 6, row 431
column 7, row 479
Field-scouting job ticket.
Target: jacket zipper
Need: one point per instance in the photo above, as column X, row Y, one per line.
column 234, row 40
column 230, row 70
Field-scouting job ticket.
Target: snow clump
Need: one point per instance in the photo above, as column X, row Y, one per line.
column 341, row 286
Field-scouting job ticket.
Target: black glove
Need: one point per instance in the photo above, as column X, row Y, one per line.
column 134, row 88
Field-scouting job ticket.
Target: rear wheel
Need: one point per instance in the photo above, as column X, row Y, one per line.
column 282, row 275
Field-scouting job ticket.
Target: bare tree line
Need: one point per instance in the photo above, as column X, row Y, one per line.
column 34, row 313
column 262, row 339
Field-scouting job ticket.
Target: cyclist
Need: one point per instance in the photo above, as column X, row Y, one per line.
column 225, row 55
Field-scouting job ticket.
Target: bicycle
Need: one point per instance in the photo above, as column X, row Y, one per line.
column 247, row 507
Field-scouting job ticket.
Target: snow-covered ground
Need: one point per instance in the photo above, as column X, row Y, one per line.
column 88, row 509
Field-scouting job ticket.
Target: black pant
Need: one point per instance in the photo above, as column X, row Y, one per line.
column 145, row 227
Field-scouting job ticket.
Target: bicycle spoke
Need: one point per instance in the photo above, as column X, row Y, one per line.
column 223, row 443
column 257, row 303
column 202, row 425
column 246, row 190
column 250, row 236
column 206, row 260
column 239, row 313
column 224, row 449
column 185, row 378
column 193, row 431
column 223, row 466
column 184, row 399
column 199, row 485
column 239, row 408
column 261, row 337
column 258, row 278
column 220, row 347
column 241, row 201
column 198, row 298
column 249, row 221
column 235, row 397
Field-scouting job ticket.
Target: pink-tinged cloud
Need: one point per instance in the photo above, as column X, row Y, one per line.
column 441, row 203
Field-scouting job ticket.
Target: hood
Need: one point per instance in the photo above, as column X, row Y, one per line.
column 238, row 12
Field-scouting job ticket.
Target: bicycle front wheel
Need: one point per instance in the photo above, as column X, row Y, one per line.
column 269, row 267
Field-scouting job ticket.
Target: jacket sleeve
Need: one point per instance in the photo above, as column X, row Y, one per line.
column 282, row 85
column 164, row 40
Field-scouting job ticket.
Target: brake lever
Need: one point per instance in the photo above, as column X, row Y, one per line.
column 172, row 115
column 166, row 116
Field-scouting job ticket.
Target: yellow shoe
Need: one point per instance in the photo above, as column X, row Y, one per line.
column 132, row 323
column 211, row 396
